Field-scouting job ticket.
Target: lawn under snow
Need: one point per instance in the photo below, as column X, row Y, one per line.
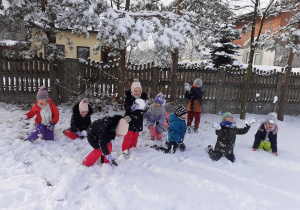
column 49, row 174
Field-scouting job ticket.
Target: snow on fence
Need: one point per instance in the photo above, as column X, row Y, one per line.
column 21, row 78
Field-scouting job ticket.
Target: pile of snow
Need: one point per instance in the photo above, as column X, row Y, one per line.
column 49, row 174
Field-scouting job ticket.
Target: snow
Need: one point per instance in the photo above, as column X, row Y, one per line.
column 49, row 174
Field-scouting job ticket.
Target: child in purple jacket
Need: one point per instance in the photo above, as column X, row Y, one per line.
column 155, row 117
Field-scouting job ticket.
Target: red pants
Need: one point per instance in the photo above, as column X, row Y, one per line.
column 154, row 132
column 95, row 155
column 191, row 116
column 130, row 140
column 70, row 134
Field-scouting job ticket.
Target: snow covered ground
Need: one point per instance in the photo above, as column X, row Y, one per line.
column 49, row 174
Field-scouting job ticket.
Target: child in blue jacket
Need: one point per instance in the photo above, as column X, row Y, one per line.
column 177, row 130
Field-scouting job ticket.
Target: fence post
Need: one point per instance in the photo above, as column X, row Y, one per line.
column 278, row 86
column 220, row 75
column 155, row 80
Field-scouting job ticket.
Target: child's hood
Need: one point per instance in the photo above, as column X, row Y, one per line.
column 274, row 131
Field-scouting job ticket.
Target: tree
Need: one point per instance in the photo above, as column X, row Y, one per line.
column 44, row 20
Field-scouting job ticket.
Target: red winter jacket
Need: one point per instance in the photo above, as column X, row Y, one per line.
column 35, row 110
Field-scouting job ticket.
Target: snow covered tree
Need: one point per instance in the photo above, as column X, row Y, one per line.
column 45, row 18
column 222, row 48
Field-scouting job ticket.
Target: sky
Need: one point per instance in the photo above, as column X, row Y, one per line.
column 49, row 174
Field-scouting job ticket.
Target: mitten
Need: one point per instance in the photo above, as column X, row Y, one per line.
column 216, row 126
column 134, row 107
column 275, row 153
column 23, row 117
column 111, row 159
column 254, row 149
column 50, row 126
column 78, row 133
column 250, row 120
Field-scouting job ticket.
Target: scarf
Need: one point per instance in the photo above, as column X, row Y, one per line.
column 228, row 124
column 267, row 134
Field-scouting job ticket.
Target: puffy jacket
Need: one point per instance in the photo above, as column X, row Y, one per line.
column 195, row 97
column 101, row 132
column 176, row 129
column 226, row 138
column 36, row 110
column 79, row 123
column 261, row 135
column 136, row 123
column 153, row 119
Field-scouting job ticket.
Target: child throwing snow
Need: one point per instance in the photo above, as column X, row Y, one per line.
column 169, row 110
column 177, row 130
column 135, row 106
column 155, row 117
column 266, row 136
column 80, row 120
column 226, row 133
column 194, row 96
column 101, row 133
column 47, row 115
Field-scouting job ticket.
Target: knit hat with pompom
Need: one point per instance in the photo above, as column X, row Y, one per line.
column 83, row 105
column 159, row 99
column 42, row 94
column 123, row 126
column 135, row 84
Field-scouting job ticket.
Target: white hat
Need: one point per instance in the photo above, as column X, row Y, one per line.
column 123, row 126
column 83, row 105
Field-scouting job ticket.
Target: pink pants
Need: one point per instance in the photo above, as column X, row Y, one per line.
column 154, row 132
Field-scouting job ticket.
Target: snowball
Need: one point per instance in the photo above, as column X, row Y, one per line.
column 141, row 103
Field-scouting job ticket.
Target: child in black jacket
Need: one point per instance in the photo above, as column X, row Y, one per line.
column 266, row 136
column 80, row 120
column 135, row 106
column 101, row 133
column 226, row 133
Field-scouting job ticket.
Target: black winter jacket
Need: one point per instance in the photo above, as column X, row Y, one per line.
column 261, row 135
column 79, row 123
column 136, row 123
column 226, row 139
column 102, row 131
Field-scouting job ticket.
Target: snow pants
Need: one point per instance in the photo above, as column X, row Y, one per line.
column 154, row 133
column 41, row 130
column 130, row 140
column 265, row 146
column 95, row 155
column 190, row 118
column 216, row 155
column 70, row 134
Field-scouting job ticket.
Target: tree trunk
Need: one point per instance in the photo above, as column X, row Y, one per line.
column 246, row 86
column 121, row 76
column 174, row 75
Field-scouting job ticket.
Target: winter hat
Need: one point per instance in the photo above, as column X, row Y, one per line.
column 170, row 107
column 225, row 115
column 180, row 110
column 270, row 120
column 159, row 98
column 83, row 105
column 135, row 84
column 42, row 94
column 123, row 126
column 198, row 81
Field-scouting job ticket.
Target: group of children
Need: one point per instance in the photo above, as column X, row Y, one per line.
column 160, row 116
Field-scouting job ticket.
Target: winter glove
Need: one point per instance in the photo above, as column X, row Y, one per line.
column 111, row 159
column 50, row 126
column 80, row 135
column 250, row 120
column 23, row 117
column 181, row 146
column 254, row 149
column 134, row 107
column 275, row 153
column 216, row 126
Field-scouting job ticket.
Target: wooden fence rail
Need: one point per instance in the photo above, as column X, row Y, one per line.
column 21, row 78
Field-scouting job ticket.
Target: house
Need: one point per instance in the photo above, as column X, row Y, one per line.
column 262, row 57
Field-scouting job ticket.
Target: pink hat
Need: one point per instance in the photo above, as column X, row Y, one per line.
column 123, row 126
column 135, row 84
column 42, row 94
column 83, row 105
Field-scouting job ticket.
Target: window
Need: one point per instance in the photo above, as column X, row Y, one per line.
column 61, row 48
column 83, row 52
column 256, row 59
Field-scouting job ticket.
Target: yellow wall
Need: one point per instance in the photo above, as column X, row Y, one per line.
column 80, row 41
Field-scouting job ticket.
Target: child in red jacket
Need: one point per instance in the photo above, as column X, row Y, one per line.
column 47, row 115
